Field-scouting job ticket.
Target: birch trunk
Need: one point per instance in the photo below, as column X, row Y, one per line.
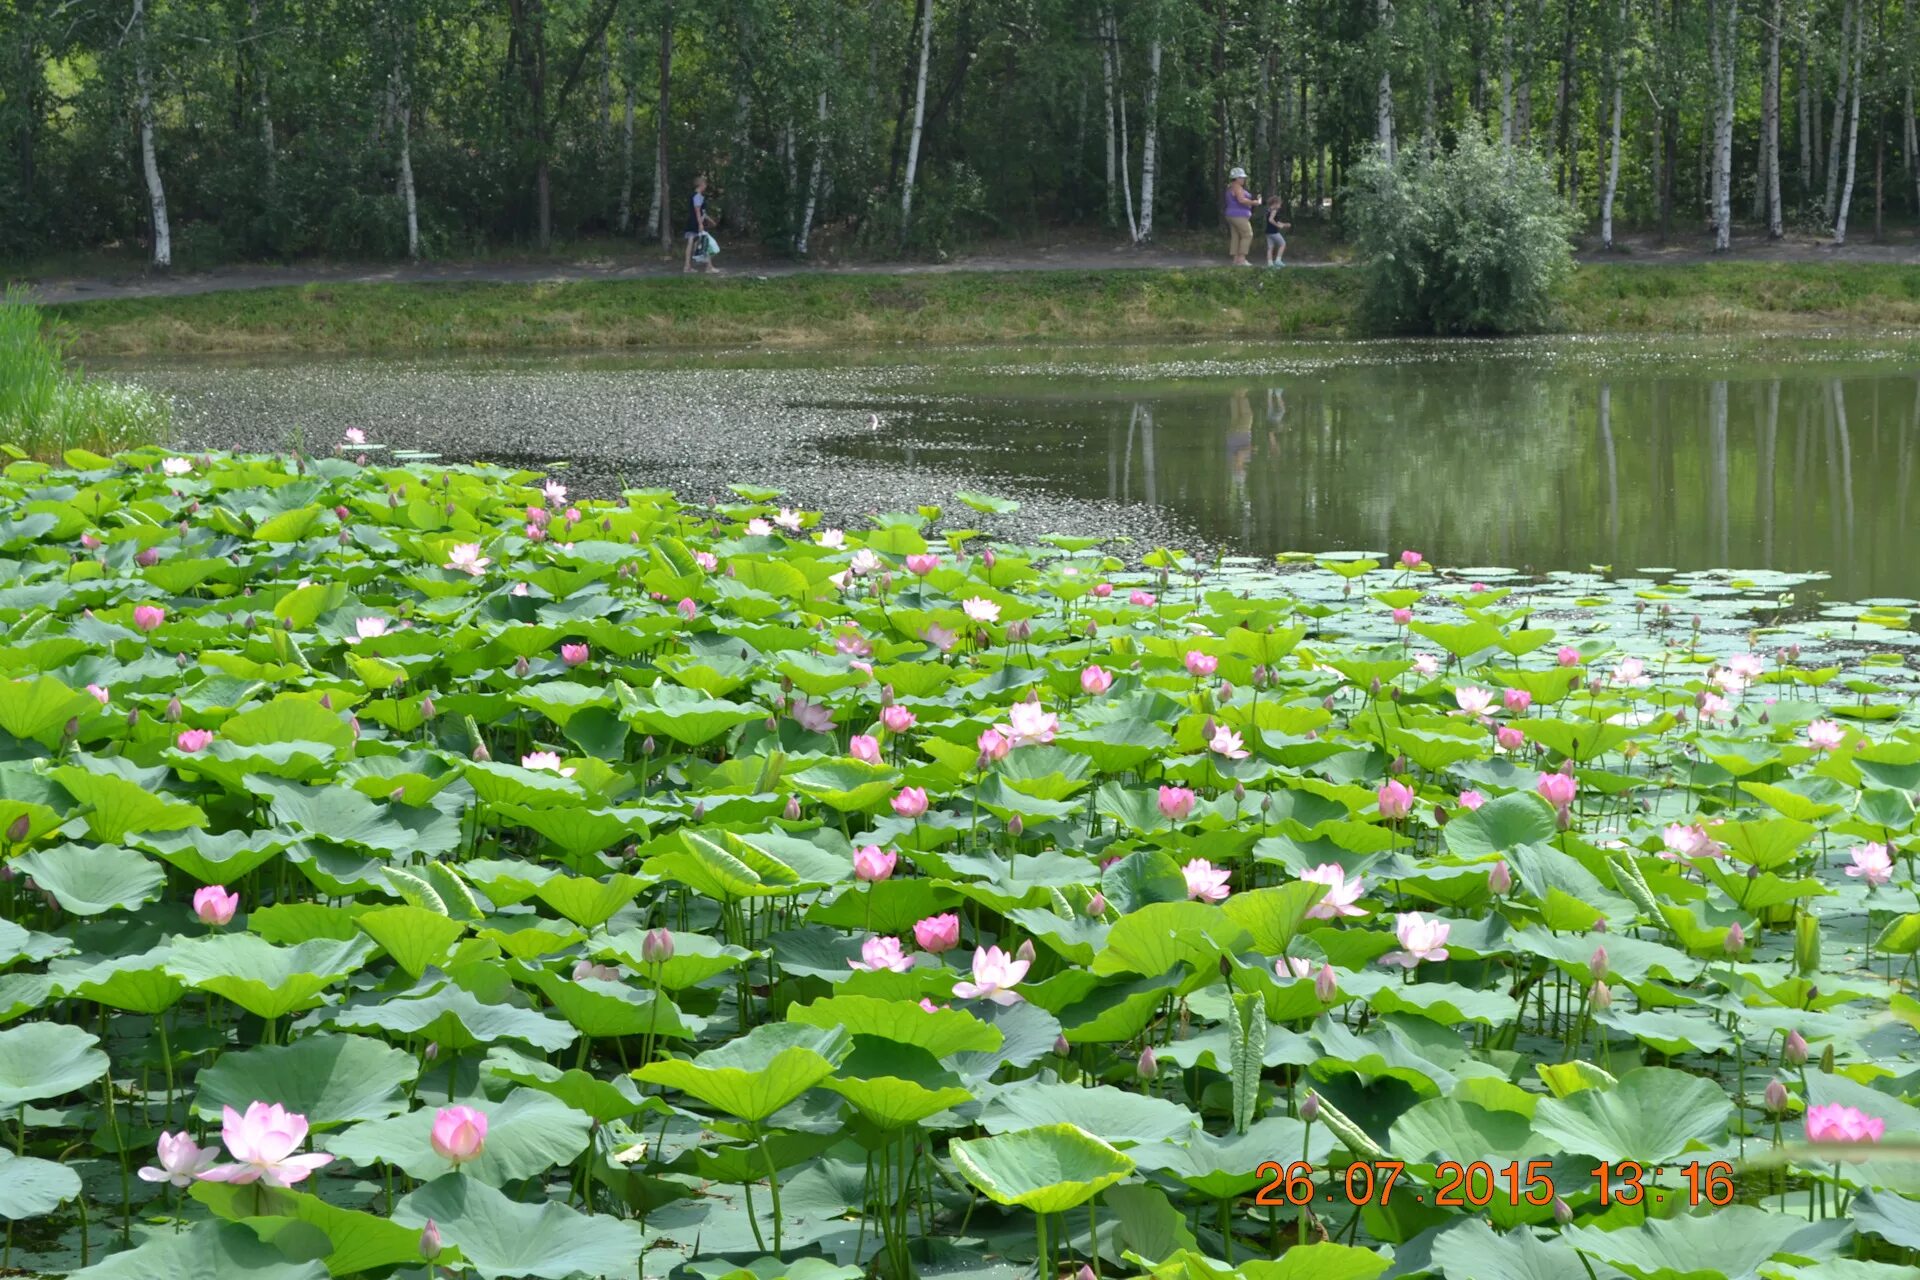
column 1126, row 148
column 1839, row 110
column 1506, row 73
column 919, row 117
column 1805, row 114
column 1263, row 108
column 626, row 129
column 407, row 196
column 1912, row 132
column 1613, row 151
column 1853, row 126
column 1383, row 98
column 1149, row 144
column 1770, row 124
column 1724, row 51
column 663, row 118
column 149, row 162
column 813, row 179
column 260, row 85
column 1106, row 77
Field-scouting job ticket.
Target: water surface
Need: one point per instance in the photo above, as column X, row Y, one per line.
column 1791, row 454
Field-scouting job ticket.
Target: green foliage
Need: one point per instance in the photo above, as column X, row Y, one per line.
column 47, row 408
column 1471, row 239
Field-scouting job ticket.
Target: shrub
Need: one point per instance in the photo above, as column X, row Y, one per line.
column 46, row 409
column 1469, row 240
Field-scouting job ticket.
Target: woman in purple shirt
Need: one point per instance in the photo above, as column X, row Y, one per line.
column 1239, row 212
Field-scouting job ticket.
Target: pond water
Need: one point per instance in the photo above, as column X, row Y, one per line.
column 1794, row 455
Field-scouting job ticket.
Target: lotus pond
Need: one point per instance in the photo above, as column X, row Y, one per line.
column 416, row 869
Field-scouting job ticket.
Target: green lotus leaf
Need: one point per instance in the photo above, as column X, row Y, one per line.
column 940, row 1033
column 30, row 1187
column 1161, row 935
column 414, row 936
column 894, row 1085
column 37, row 710
column 576, row 828
column 601, row 1009
column 265, row 980
column 214, row 859
column 528, row 1133
column 456, row 1020
column 846, row 785
column 1764, row 843
column 92, row 879
column 341, row 815
column 502, row 1237
column 355, row 1242
column 602, row 1100
column 1115, row 1114
column 1272, row 916
column 1501, row 824
column 561, row 700
column 739, row 870
column 1651, row 1115
column 1729, row 1241
column 330, row 1079
column 22, row 993
column 207, row 1251
column 45, row 1060
column 1473, row 1251
column 754, row 1076
column 120, row 805
column 289, row 718
column 136, row 983
column 1049, row 1169
column 1446, row 1002
column 683, row 715
column 497, row 782
column 590, row 903
column 1219, row 1168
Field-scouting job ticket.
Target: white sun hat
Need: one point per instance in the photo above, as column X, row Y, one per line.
column 1236, row 173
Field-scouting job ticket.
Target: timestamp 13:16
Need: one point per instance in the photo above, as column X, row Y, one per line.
column 1478, row 1184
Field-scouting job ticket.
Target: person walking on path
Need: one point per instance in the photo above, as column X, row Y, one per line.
column 697, row 223
column 1239, row 210
column 1276, row 234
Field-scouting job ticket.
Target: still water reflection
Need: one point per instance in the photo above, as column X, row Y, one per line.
column 1794, row 455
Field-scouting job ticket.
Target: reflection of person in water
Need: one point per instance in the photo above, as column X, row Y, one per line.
column 1276, row 410
column 1239, row 440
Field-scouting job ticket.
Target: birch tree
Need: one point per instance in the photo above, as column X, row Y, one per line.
column 925, row 28
column 1847, row 23
column 625, row 216
column 1149, row 143
column 1723, row 53
column 1615, row 76
column 1858, row 74
column 1770, row 123
column 1383, row 96
column 149, row 161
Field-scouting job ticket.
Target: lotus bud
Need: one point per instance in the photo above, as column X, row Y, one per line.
column 1226, row 966
column 133, row 718
column 1207, row 728
column 345, row 539
column 427, row 708
column 1025, row 951
column 1326, row 703
column 73, row 727
column 433, row 1050
column 1097, row 905
column 1061, row 1048
column 1019, row 631
column 147, row 558
column 646, row 745
column 182, row 661
column 521, row 666
column 1015, row 826
column 1373, row 689
column 1806, row 943
column 326, row 702
column 353, row 723
column 1776, row 1097
column 792, row 812
column 173, row 710
column 1310, row 1107
column 699, row 810
column 1736, row 938
column 1226, row 691
column 1599, row 926
column 286, row 624
column 341, row 513
column 1326, row 984
column 1239, row 791
column 1093, row 629
column 1601, row 996
column 1562, row 1211
column 1266, row 803
column 1500, row 879
column 656, row 947
column 1826, row 1058
column 1439, row 815
column 430, row 1240
column 481, row 753
column 1795, row 1053
column 1085, row 1273
column 17, row 829
column 1597, row 963
column 988, row 559
column 1147, row 1067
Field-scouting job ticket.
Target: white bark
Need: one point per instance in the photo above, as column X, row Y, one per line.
column 260, row 79
column 404, row 115
column 1805, row 115
column 1853, row 126
column 149, row 162
column 1506, row 74
column 1383, row 97
column 626, row 130
column 1149, row 144
column 1723, row 52
column 1613, row 154
column 1839, row 109
column 1106, row 79
column 1912, row 131
column 919, row 116
column 1126, row 149
column 1770, row 124
column 813, row 179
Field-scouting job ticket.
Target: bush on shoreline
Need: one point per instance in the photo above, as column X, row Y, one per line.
column 47, row 408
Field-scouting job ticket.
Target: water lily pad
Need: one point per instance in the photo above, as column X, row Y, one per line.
column 1048, row 1169
column 502, row 1237
column 330, row 1079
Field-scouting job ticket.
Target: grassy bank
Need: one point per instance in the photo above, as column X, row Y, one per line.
column 47, row 406
column 875, row 310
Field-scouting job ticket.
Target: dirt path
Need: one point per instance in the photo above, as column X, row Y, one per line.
column 1903, row 250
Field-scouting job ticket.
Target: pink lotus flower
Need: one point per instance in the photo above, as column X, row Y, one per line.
column 922, row 565
column 1425, row 664
column 1145, row 599
column 371, row 628
column 911, row 802
column 1630, row 672
column 1341, row 892
column 1500, row 879
column 687, row 609
column 1748, row 666
column 758, row 528
column 981, row 611
column 545, row 762
column 896, row 718
column 459, row 1133
column 574, row 654
column 1201, row 664
column 788, row 519
column 1292, row 967
column 1206, row 882
column 1509, row 738
column 263, row 1142
column 1557, row 789
column 811, row 716
column 1568, row 656
column 1176, row 803
column 1687, row 841
column 1516, row 700
column 1422, row 937
column 864, row 747
column 993, row 744
column 1471, row 800
column 99, row 693
column 193, row 740
column 1401, row 617
column 930, row 1007
column 466, row 558
column 871, row 862
column 90, row 542
column 1874, row 862
column 181, row 1160
column 148, row 617
column 1227, row 743
column 1835, row 1122
column 214, row 905
column 1028, row 725
column 853, row 644
column 938, row 934
column 1473, row 700
column 555, row 491
column 599, row 972
column 864, row 562
column 1826, row 735
column 878, row 954
column 1102, row 590
column 1395, row 799
column 1408, row 559
column 1478, row 589
column 940, row 637
column 995, row 974
column 176, row 466
column 1712, row 706
column 356, row 436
